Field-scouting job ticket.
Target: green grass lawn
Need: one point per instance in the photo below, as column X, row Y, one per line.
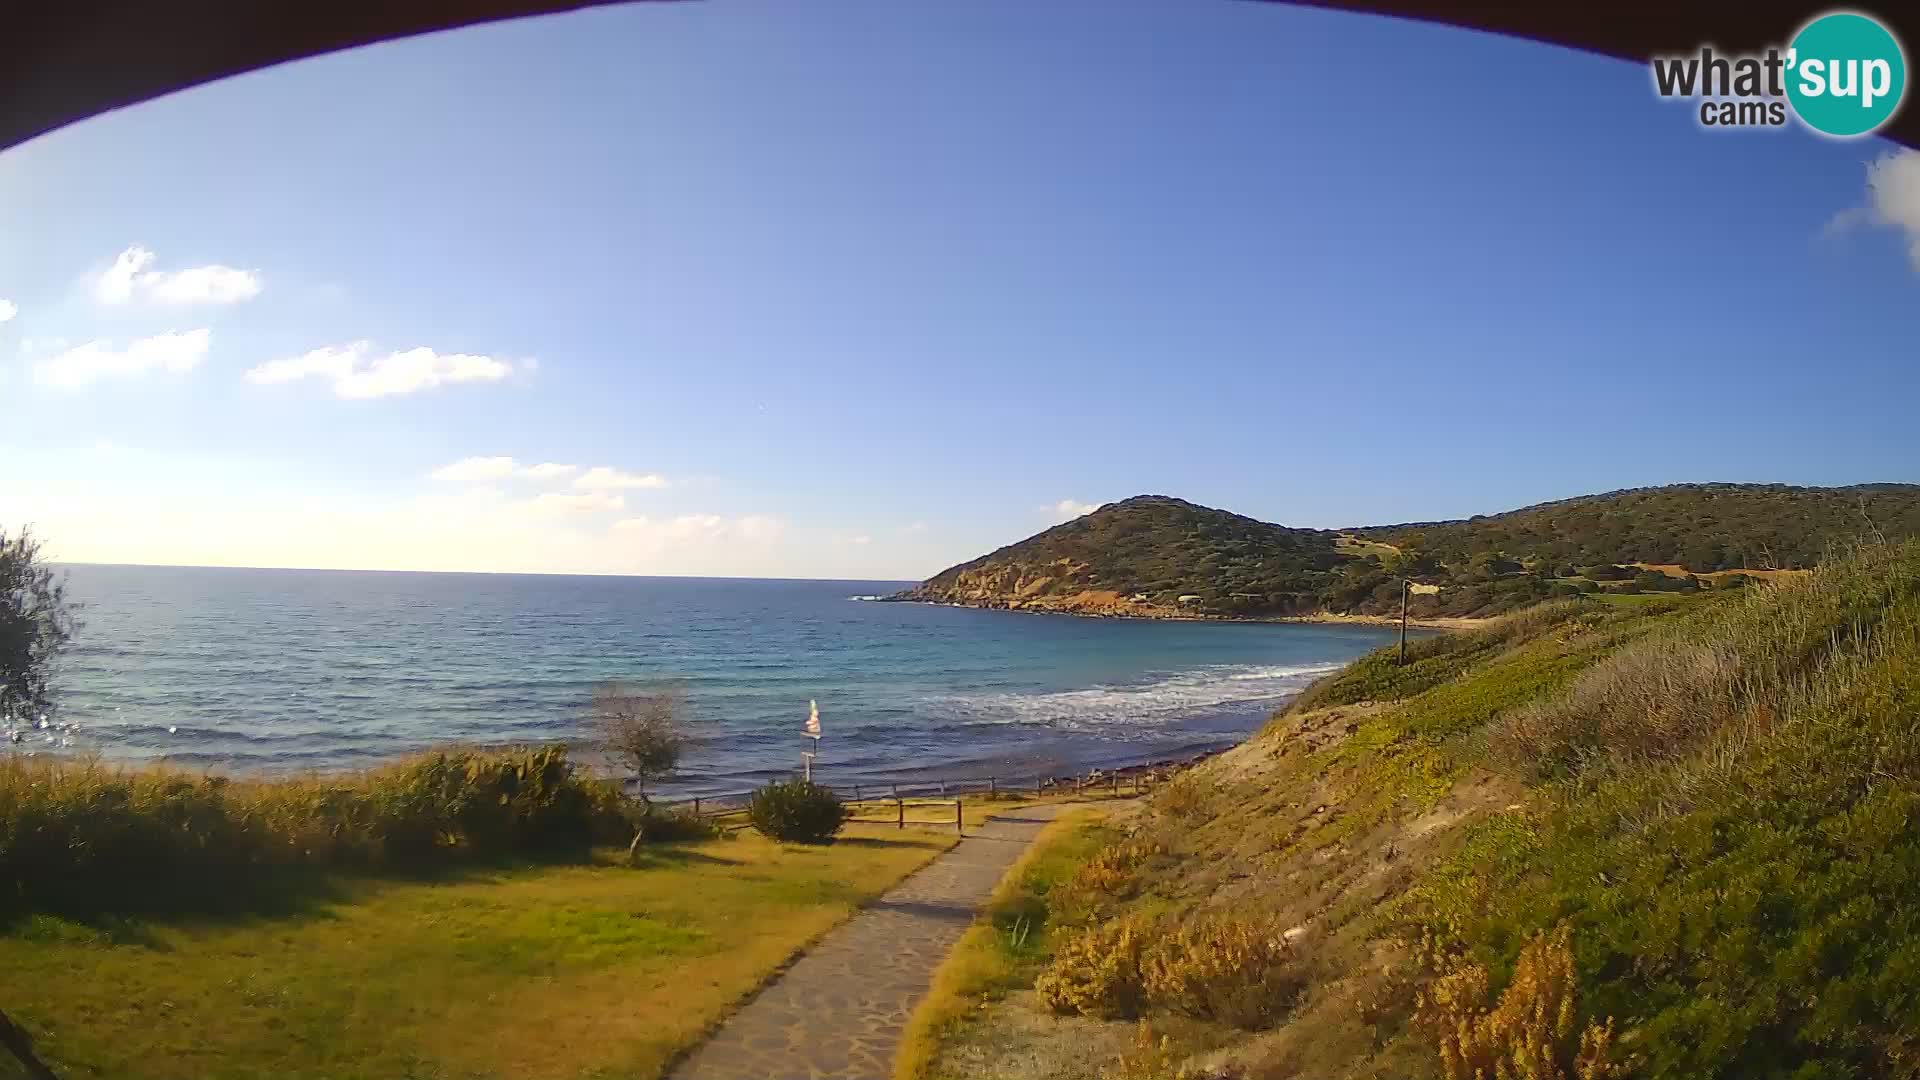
column 519, row 971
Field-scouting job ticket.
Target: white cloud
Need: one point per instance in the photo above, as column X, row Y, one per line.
column 95, row 360
column 914, row 528
column 7, row 311
column 607, row 478
column 1068, row 509
column 1893, row 200
column 130, row 277
column 354, row 375
column 647, row 536
column 476, row 470
column 759, row 528
column 576, row 503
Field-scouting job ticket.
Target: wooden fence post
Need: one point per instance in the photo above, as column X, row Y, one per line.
column 16, row 1040
column 1113, row 784
column 959, row 818
column 902, row 808
column 696, row 806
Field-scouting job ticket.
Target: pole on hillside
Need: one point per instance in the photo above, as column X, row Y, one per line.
column 1403, row 622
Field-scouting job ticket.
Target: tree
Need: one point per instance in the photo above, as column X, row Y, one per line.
column 640, row 730
column 36, row 622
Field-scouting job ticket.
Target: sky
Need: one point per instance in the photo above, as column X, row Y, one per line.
column 860, row 289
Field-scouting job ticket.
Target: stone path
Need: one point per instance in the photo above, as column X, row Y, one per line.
column 838, row 1012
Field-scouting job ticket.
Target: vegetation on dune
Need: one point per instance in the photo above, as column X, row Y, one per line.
column 1672, row 840
column 1154, row 555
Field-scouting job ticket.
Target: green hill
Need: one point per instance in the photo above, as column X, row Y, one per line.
column 1585, row 841
column 1140, row 556
column 1153, row 555
column 1701, row 527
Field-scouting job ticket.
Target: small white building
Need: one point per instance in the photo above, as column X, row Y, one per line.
column 1190, row 598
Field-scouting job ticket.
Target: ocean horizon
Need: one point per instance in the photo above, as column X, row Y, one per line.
column 273, row 671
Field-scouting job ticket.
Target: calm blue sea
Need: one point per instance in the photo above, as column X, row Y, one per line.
column 284, row 670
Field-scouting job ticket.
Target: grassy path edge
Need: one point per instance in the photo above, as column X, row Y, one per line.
column 978, row 966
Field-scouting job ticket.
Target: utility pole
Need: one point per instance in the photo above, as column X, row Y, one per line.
column 1403, row 622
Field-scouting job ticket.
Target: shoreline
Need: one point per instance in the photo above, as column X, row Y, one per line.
column 1325, row 618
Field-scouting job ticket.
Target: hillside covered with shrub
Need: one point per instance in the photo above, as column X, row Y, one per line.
column 1157, row 556
column 1699, row 527
column 1671, row 839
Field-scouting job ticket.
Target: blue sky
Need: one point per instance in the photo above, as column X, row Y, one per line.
column 862, row 289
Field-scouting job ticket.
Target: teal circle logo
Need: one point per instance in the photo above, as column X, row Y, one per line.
column 1846, row 74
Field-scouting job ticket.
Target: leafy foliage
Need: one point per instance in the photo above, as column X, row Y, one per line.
column 640, row 729
column 80, row 834
column 797, row 811
column 36, row 622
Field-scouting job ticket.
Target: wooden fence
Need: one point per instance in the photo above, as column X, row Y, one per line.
column 935, row 802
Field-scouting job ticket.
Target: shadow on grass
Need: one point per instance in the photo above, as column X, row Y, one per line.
column 168, row 895
column 882, row 842
column 679, row 855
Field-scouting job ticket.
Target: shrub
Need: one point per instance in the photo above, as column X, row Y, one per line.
column 1650, row 701
column 1097, row 972
column 81, row 833
column 1236, row 970
column 1190, row 796
column 798, row 811
column 1529, row 1033
column 666, row 826
column 1112, row 874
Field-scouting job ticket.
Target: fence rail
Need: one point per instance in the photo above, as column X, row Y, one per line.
column 892, row 799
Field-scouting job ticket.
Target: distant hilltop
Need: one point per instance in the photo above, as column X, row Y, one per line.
column 1155, row 556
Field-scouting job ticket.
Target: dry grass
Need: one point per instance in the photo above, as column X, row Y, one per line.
column 1651, row 701
column 528, row 972
column 1675, row 570
column 1003, row 948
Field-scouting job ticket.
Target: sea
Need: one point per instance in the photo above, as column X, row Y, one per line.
column 285, row 671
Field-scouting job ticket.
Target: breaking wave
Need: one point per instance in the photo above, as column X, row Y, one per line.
column 1152, row 701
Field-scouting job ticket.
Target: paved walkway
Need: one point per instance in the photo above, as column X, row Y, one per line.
column 837, row 1013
